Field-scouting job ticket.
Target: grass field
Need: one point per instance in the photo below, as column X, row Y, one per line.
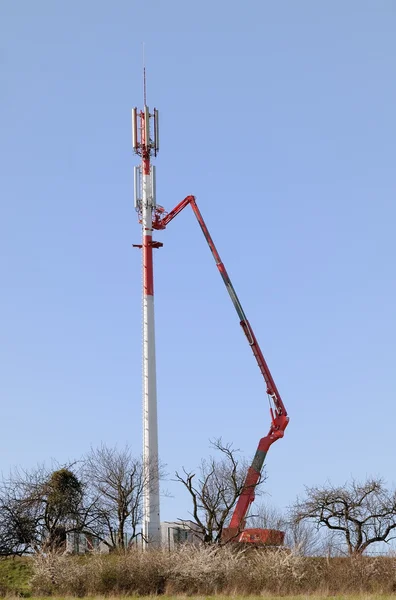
column 14, row 576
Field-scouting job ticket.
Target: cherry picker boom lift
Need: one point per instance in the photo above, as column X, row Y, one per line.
column 279, row 419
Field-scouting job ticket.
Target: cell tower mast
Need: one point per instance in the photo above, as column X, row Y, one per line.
column 146, row 145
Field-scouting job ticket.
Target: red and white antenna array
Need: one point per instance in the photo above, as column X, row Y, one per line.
column 145, row 142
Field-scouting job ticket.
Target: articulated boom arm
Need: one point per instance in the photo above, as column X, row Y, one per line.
column 279, row 418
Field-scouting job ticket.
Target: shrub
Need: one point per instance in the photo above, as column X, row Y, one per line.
column 209, row 571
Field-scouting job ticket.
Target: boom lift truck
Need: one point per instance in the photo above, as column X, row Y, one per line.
column 279, row 419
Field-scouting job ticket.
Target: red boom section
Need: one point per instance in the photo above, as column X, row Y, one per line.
column 279, row 418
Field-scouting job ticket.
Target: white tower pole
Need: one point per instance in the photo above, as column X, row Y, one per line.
column 145, row 206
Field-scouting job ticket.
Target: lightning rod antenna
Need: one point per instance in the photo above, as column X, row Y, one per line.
column 144, row 77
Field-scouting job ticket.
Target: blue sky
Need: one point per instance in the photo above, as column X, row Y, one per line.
column 279, row 117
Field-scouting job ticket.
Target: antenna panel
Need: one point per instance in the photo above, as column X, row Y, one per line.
column 156, row 130
column 134, row 130
column 153, row 174
column 137, row 187
column 147, row 126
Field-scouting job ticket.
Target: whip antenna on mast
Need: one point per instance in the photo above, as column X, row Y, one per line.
column 144, row 78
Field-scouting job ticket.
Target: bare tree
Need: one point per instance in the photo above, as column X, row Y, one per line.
column 331, row 544
column 214, row 490
column 360, row 514
column 116, row 480
column 16, row 530
column 38, row 508
column 301, row 537
column 266, row 516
